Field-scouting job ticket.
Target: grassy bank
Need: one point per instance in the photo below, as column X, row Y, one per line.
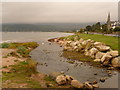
column 23, row 74
column 19, row 75
column 108, row 40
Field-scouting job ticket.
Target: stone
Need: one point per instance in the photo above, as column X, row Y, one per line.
column 103, row 79
column 88, row 85
column 114, row 53
column 56, row 40
column 94, row 82
column 93, row 51
column 55, row 74
column 99, row 55
column 61, row 79
column 66, row 48
column 69, row 78
column 95, row 86
column 84, row 43
column 116, row 62
column 76, row 84
column 98, row 43
column 81, row 40
column 106, row 57
column 97, row 60
column 103, row 48
column 88, row 46
column 95, row 73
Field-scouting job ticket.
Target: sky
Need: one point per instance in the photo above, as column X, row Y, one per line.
column 58, row 12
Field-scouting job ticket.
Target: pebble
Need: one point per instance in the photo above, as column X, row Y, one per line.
column 95, row 73
column 103, row 79
column 94, row 82
column 62, row 72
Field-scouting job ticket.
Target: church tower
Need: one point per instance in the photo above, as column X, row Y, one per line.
column 108, row 22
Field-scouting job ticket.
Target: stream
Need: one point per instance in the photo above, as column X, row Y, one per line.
column 50, row 59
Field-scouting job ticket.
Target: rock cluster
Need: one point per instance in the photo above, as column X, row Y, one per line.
column 97, row 50
column 66, row 79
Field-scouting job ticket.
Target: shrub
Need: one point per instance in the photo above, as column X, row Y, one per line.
column 5, row 45
column 23, row 51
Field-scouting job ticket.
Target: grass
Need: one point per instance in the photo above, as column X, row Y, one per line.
column 108, row 40
column 22, row 48
column 21, row 73
column 79, row 56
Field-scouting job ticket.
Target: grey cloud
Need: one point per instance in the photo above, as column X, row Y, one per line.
column 45, row 12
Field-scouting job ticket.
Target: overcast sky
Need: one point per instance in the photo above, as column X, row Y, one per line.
column 58, row 12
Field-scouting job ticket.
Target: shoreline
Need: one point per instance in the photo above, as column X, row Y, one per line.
column 63, row 42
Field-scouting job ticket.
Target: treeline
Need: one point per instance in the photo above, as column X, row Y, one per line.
column 100, row 28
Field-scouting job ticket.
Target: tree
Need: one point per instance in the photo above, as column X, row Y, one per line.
column 117, row 29
column 88, row 28
column 104, row 28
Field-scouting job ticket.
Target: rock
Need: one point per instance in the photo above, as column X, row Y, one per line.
column 81, row 40
column 95, row 86
column 113, row 53
column 99, row 55
column 56, row 40
column 95, row 73
column 62, row 72
column 88, row 46
column 103, row 79
column 97, row 60
column 76, row 84
column 66, row 48
column 84, row 43
column 93, row 51
column 69, row 78
column 94, row 82
column 55, row 74
column 116, row 62
column 102, row 48
column 98, row 43
column 106, row 57
column 61, row 79
column 88, row 85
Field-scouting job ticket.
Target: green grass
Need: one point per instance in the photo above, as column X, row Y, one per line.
column 108, row 40
column 22, row 48
column 16, row 45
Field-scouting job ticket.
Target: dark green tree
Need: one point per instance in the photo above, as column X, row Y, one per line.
column 117, row 29
column 88, row 28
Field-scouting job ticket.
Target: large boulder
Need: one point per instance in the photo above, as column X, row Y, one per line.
column 114, row 53
column 102, row 48
column 76, row 84
column 116, row 62
column 93, row 52
column 64, row 79
column 106, row 58
column 99, row 55
column 61, row 79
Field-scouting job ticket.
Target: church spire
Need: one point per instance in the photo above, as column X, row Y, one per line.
column 108, row 21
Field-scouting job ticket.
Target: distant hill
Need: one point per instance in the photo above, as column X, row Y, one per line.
column 44, row 27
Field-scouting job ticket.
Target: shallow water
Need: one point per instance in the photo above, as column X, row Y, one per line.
column 50, row 60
